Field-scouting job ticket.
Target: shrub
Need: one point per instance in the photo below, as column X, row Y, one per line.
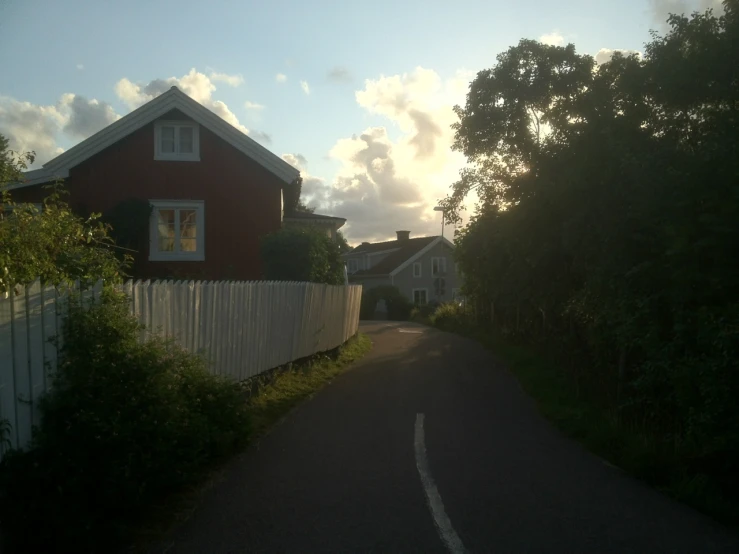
column 123, row 424
column 450, row 317
column 302, row 254
column 398, row 306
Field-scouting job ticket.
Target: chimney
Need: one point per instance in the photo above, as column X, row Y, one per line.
column 365, row 244
column 403, row 235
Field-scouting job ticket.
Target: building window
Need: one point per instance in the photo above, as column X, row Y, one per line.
column 416, row 269
column 352, row 266
column 177, row 230
column 438, row 266
column 177, row 140
column 21, row 206
column 420, row 297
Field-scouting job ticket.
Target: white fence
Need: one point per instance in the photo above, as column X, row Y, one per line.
column 242, row 328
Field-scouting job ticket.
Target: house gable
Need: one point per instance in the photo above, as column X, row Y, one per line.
column 163, row 106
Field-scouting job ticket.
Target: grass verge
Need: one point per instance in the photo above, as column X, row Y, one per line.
column 271, row 397
column 631, row 448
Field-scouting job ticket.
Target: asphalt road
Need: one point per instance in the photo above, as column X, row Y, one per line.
column 427, row 445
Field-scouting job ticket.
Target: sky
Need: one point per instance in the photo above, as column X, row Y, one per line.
column 357, row 95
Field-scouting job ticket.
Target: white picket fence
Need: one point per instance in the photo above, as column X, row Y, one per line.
column 242, row 328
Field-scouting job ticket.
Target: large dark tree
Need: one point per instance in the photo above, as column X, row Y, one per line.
column 608, row 222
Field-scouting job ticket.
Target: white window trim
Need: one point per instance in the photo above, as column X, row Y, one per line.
column 426, row 294
column 442, row 266
column 417, row 266
column 199, row 254
column 176, row 156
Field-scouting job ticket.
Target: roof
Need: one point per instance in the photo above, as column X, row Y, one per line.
column 403, row 252
column 173, row 99
column 308, row 216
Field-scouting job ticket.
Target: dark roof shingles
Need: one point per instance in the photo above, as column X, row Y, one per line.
column 406, row 249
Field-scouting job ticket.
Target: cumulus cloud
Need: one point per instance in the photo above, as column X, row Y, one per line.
column 552, row 39
column 31, row 127
column 314, row 190
column 197, row 85
column 340, row 74
column 280, row 77
column 304, row 85
column 385, row 184
column 253, row 106
column 85, row 117
column 231, row 80
column 41, row 128
column 605, row 54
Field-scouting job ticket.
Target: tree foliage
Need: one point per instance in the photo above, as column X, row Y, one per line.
column 302, row 254
column 52, row 243
column 608, row 222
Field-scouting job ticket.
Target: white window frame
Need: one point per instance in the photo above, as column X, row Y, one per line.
column 154, row 254
column 417, row 266
column 193, row 156
column 352, row 267
column 425, row 295
column 442, row 266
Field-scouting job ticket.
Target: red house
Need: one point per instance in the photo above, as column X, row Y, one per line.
column 213, row 191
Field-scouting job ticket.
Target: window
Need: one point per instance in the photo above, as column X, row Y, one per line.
column 177, row 140
column 416, row 269
column 438, row 266
column 420, row 297
column 177, row 230
column 352, row 265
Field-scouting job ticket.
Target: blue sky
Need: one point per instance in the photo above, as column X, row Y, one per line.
column 82, row 61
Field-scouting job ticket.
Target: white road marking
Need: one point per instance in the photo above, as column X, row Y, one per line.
column 410, row 331
column 443, row 524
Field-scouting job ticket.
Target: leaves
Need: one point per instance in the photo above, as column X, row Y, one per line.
column 608, row 218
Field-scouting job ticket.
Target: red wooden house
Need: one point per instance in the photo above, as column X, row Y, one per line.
column 213, row 191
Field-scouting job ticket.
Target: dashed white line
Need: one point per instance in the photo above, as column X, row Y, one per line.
column 441, row 520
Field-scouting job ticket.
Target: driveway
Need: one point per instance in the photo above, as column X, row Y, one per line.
column 427, row 445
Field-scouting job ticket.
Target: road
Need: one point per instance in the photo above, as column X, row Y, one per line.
column 428, row 445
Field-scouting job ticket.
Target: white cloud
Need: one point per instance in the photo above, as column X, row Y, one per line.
column 30, row 127
column 305, row 87
column 80, row 66
column 383, row 184
column 73, row 117
column 253, row 106
column 552, row 39
column 313, row 189
column 231, row 80
column 197, row 85
column 85, row 117
column 605, row 54
column 280, row 77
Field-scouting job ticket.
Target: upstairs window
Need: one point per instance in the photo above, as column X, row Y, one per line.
column 177, row 231
column 438, row 266
column 177, row 140
column 417, row 269
column 352, row 265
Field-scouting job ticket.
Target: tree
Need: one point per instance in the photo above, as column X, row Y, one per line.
column 608, row 222
column 302, row 254
column 53, row 244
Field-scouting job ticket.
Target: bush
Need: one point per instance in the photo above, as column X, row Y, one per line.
column 450, row 317
column 302, row 254
column 398, row 306
column 123, row 424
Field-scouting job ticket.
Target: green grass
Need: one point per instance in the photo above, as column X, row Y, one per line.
column 289, row 387
column 271, row 397
column 629, row 447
